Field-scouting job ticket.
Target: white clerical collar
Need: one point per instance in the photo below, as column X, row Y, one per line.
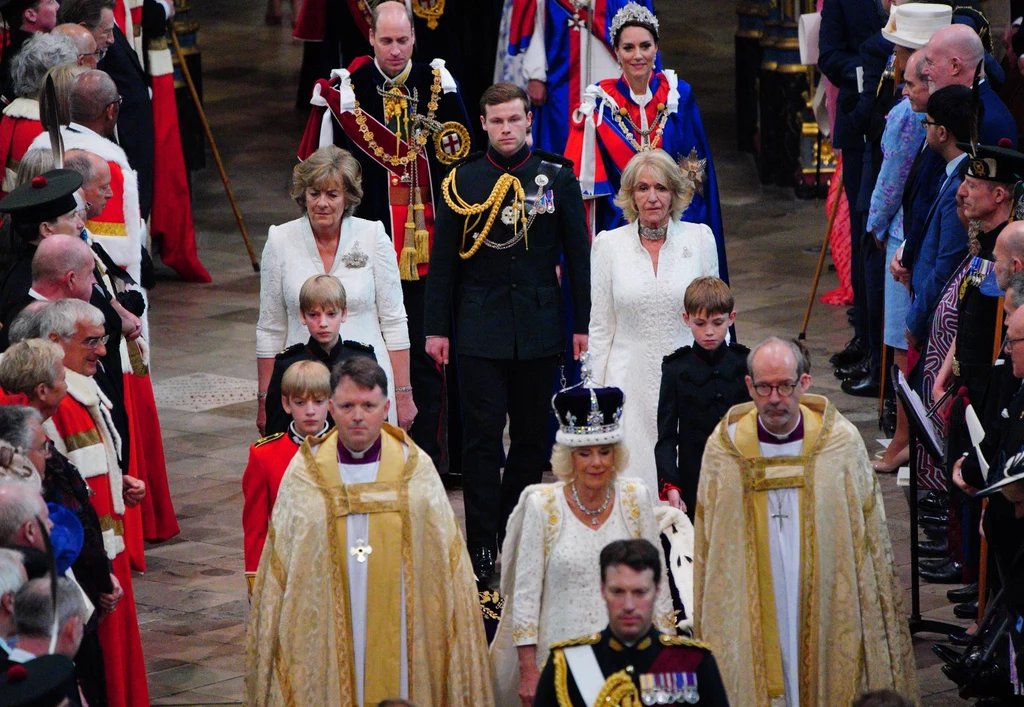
column 35, row 295
column 402, row 76
column 795, row 433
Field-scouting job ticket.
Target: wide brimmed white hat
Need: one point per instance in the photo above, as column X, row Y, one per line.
column 913, row 25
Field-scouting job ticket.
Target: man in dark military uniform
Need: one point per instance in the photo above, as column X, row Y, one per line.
column 987, row 193
column 505, row 218
column 277, row 419
column 630, row 662
column 404, row 121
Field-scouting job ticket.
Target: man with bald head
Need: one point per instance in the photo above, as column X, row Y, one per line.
column 384, row 86
column 1009, row 253
column 62, row 268
column 786, row 503
column 85, row 43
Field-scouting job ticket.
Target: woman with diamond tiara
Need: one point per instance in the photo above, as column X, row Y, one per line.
column 550, row 577
column 641, row 110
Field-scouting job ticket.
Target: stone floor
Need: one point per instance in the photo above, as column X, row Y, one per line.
column 192, row 600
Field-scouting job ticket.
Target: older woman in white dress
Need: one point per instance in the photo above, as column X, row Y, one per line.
column 551, row 580
column 639, row 274
column 328, row 239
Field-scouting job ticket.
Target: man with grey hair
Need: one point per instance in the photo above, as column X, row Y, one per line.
column 786, row 503
column 12, row 577
column 34, row 619
column 950, row 58
column 42, row 52
column 82, row 430
column 22, row 508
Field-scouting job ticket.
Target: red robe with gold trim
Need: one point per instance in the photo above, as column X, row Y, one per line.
column 170, row 221
column 83, row 431
column 268, row 460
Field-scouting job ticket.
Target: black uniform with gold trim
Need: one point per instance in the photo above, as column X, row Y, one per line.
column 277, row 419
column 508, row 321
column 679, row 666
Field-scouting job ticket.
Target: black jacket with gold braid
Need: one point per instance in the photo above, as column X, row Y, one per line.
column 507, row 302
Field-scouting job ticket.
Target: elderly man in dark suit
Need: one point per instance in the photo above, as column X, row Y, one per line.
column 500, row 275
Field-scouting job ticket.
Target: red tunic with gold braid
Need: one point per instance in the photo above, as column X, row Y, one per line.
column 268, row 459
column 83, row 431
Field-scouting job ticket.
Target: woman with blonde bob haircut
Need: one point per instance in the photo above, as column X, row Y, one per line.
column 328, row 239
column 551, row 578
column 638, row 279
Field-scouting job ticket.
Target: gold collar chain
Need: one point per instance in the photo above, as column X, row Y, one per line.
column 414, row 145
column 646, row 142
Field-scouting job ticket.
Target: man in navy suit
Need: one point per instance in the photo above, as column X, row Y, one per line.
column 944, row 244
column 845, row 26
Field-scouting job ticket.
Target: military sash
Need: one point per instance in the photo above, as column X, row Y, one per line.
column 761, row 475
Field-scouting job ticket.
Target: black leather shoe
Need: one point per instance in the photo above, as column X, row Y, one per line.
column 947, row 654
column 483, row 565
column 856, row 370
column 887, row 421
column 934, row 563
column 934, row 502
column 960, row 638
column 866, row 387
column 967, row 593
column 950, row 573
column 934, row 548
column 855, row 350
column 934, row 521
column 967, row 610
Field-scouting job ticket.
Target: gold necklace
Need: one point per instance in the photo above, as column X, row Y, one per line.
column 414, row 146
column 646, row 143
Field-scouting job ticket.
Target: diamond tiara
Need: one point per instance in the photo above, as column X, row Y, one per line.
column 633, row 13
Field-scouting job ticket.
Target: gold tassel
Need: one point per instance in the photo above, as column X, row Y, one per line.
column 422, row 236
column 407, row 264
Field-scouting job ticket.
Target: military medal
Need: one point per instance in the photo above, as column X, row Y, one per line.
column 668, row 688
column 541, row 180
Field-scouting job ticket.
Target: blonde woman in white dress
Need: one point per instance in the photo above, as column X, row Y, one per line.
column 551, row 579
column 328, row 239
column 638, row 276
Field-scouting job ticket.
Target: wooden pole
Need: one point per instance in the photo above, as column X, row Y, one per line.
column 821, row 255
column 213, row 145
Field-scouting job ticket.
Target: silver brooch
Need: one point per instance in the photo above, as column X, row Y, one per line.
column 687, row 252
column 355, row 258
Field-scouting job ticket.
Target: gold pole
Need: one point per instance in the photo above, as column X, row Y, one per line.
column 821, row 256
column 213, row 145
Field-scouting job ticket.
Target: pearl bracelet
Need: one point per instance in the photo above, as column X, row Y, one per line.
column 404, row 389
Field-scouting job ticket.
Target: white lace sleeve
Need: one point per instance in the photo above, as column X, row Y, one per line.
column 664, row 614
column 529, row 585
column 708, row 252
column 602, row 304
column 272, row 327
column 388, row 290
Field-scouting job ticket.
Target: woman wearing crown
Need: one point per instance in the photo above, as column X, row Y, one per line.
column 641, row 110
column 550, row 576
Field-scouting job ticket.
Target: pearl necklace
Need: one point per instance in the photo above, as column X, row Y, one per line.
column 593, row 514
column 652, row 234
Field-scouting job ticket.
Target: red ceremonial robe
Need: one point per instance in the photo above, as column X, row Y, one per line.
column 83, row 431
column 18, row 128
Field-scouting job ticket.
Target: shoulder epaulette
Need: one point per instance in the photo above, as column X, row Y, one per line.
column 294, row 348
column 739, row 348
column 677, row 354
column 554, row 157
column 590, row 640
column 358, row 346
column 667, row 640
column 269, row 438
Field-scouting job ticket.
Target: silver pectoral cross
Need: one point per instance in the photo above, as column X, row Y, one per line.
column 361, row 550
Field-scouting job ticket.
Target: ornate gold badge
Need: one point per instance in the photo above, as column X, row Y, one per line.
column 451, row 142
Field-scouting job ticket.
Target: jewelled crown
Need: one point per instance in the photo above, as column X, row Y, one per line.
column 633, row 13
column 588, row 414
